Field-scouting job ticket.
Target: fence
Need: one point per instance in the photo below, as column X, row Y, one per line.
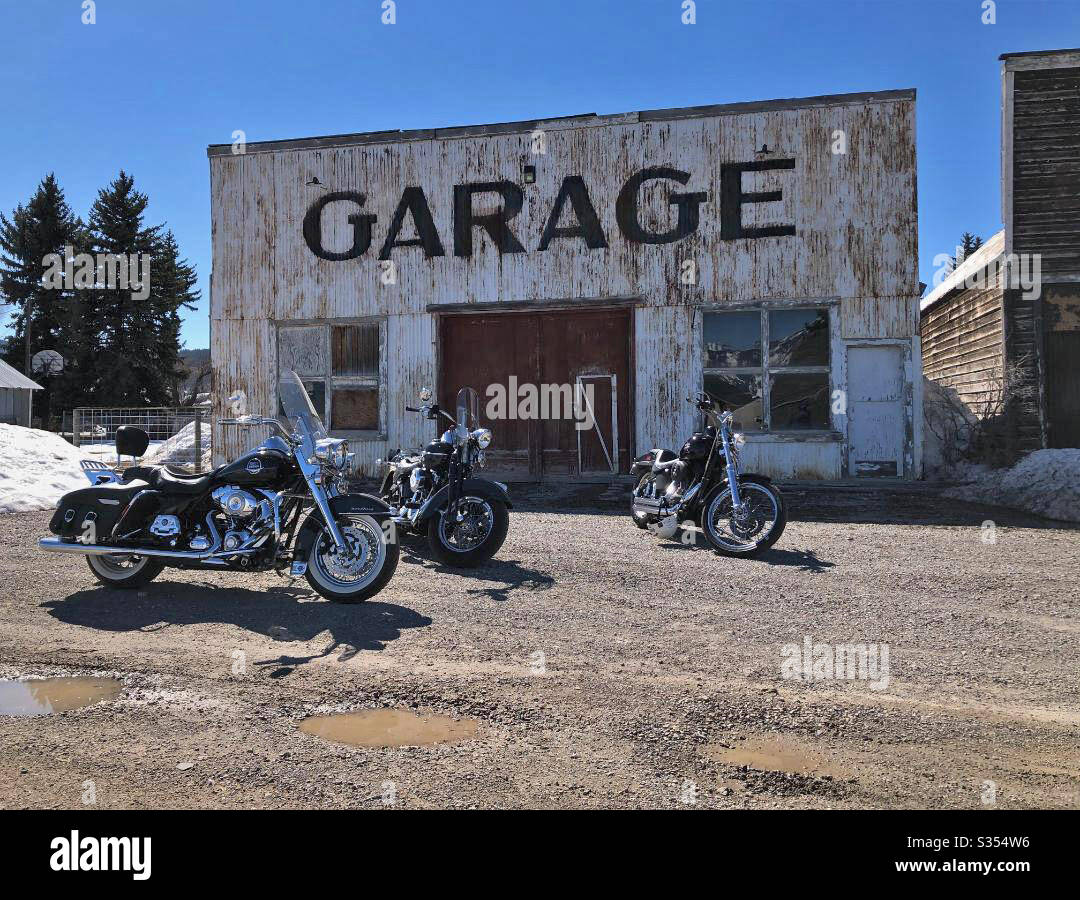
column 177, row 436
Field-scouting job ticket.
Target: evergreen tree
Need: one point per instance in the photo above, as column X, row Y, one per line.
column 43, row 317
column 969, row 243
column 138, row 359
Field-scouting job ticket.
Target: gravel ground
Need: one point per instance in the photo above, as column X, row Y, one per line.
column 606, row 668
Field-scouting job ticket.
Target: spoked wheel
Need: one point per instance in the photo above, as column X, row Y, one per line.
column 362, row 570
column 124, row 570
column 749, row 529
column 470, row 534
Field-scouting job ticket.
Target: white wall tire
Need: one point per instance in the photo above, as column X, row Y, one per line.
column 124, row 570
column 352, row 578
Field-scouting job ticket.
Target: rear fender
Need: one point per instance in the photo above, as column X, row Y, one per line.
column 475, row 487
column 344, row 504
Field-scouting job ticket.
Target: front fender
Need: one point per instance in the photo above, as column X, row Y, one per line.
column 476, row 487
column 343, row 504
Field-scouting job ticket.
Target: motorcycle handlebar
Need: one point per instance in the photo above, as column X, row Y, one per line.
column 411, row 409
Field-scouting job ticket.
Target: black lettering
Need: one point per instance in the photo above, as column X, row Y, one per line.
column 361, row 227
column 496, row 224
column 732, row 199
column 413, row 201
column 626, row 207
column 588, row 227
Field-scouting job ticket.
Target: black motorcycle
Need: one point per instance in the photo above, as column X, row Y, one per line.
column 433, row 490
column 246, row 516
column 740, row 513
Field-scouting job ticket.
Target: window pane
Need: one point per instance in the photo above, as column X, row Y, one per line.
column 732, row 340
column 355, row 349
column 741, row 394
column 798, row 337
column 302, row 349
column 354, row 409
column 799, row 401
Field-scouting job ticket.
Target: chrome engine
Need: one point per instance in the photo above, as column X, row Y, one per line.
column 235, row 503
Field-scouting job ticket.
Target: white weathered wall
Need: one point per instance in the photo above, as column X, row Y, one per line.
column 855, row 241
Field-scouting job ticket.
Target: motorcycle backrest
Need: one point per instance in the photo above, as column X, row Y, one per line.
column 131, row 441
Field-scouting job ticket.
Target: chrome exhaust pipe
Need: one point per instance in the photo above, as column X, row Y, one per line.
column 55, row 545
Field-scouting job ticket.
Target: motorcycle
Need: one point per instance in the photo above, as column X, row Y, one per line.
column 434, row 491
column 741, row 514
column 244, row 516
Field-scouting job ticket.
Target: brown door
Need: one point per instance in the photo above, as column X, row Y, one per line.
column 562, row 359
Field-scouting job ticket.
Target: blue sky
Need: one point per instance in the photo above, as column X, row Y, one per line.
column 152, row 83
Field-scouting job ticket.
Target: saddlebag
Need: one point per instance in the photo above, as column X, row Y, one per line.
column 89, row 515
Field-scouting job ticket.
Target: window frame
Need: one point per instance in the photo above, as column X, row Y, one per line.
column 766, row 371
column 332, row 381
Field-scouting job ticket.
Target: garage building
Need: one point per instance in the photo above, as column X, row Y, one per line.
column 764, row 251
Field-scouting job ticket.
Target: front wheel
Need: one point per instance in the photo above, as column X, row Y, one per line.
column 751, row 528
column 471, row 535
column 359, row 572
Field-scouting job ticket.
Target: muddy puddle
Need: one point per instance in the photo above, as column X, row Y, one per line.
column 52, row 695
column 389, row 728
column 774, row 755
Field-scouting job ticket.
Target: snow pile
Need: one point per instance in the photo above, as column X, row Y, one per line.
column 180, row 448
column 36, row 469
column 1046, row 483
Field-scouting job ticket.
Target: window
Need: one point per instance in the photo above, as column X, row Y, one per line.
column 770, row 367
column 342, row 367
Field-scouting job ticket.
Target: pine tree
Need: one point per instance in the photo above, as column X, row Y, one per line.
column 138, row 360
column 969, row 243
column 44, row 317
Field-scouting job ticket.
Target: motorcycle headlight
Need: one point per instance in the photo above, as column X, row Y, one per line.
column 332, row 453
column 482, row 436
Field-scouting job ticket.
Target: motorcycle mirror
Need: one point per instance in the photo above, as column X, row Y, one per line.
column 425, row 394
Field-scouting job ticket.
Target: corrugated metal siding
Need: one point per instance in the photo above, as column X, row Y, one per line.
column 667, row 370
column 962, row 343
column 1046, row 168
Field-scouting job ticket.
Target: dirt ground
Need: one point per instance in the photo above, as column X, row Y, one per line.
column 604, row 667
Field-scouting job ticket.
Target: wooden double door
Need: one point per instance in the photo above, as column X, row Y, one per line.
column 565, row 383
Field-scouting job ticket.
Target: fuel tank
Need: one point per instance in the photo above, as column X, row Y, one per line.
column 698, row 445
column 268, row 465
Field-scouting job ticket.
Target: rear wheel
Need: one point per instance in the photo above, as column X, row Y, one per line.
column 471, row 535
column 124, row 570
column 751, row 528
column 361, row 571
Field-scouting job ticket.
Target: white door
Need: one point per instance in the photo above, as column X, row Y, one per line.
column 875, row 387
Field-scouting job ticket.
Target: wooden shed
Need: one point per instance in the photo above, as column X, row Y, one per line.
column 16, row 394
column 1011, row 312
column 765, row 251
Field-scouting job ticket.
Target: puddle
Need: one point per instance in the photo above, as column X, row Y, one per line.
column 389, row 728
column 52, row 695
column 769, row 755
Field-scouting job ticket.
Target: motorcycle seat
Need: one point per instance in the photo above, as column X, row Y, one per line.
column 170, row 479
column 665, row 459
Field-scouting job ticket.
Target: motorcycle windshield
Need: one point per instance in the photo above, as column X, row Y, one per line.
column 468, row 408
column 297, row 406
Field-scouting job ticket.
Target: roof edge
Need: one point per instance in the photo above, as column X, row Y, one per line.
column 993, row 247
column 582, row 120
